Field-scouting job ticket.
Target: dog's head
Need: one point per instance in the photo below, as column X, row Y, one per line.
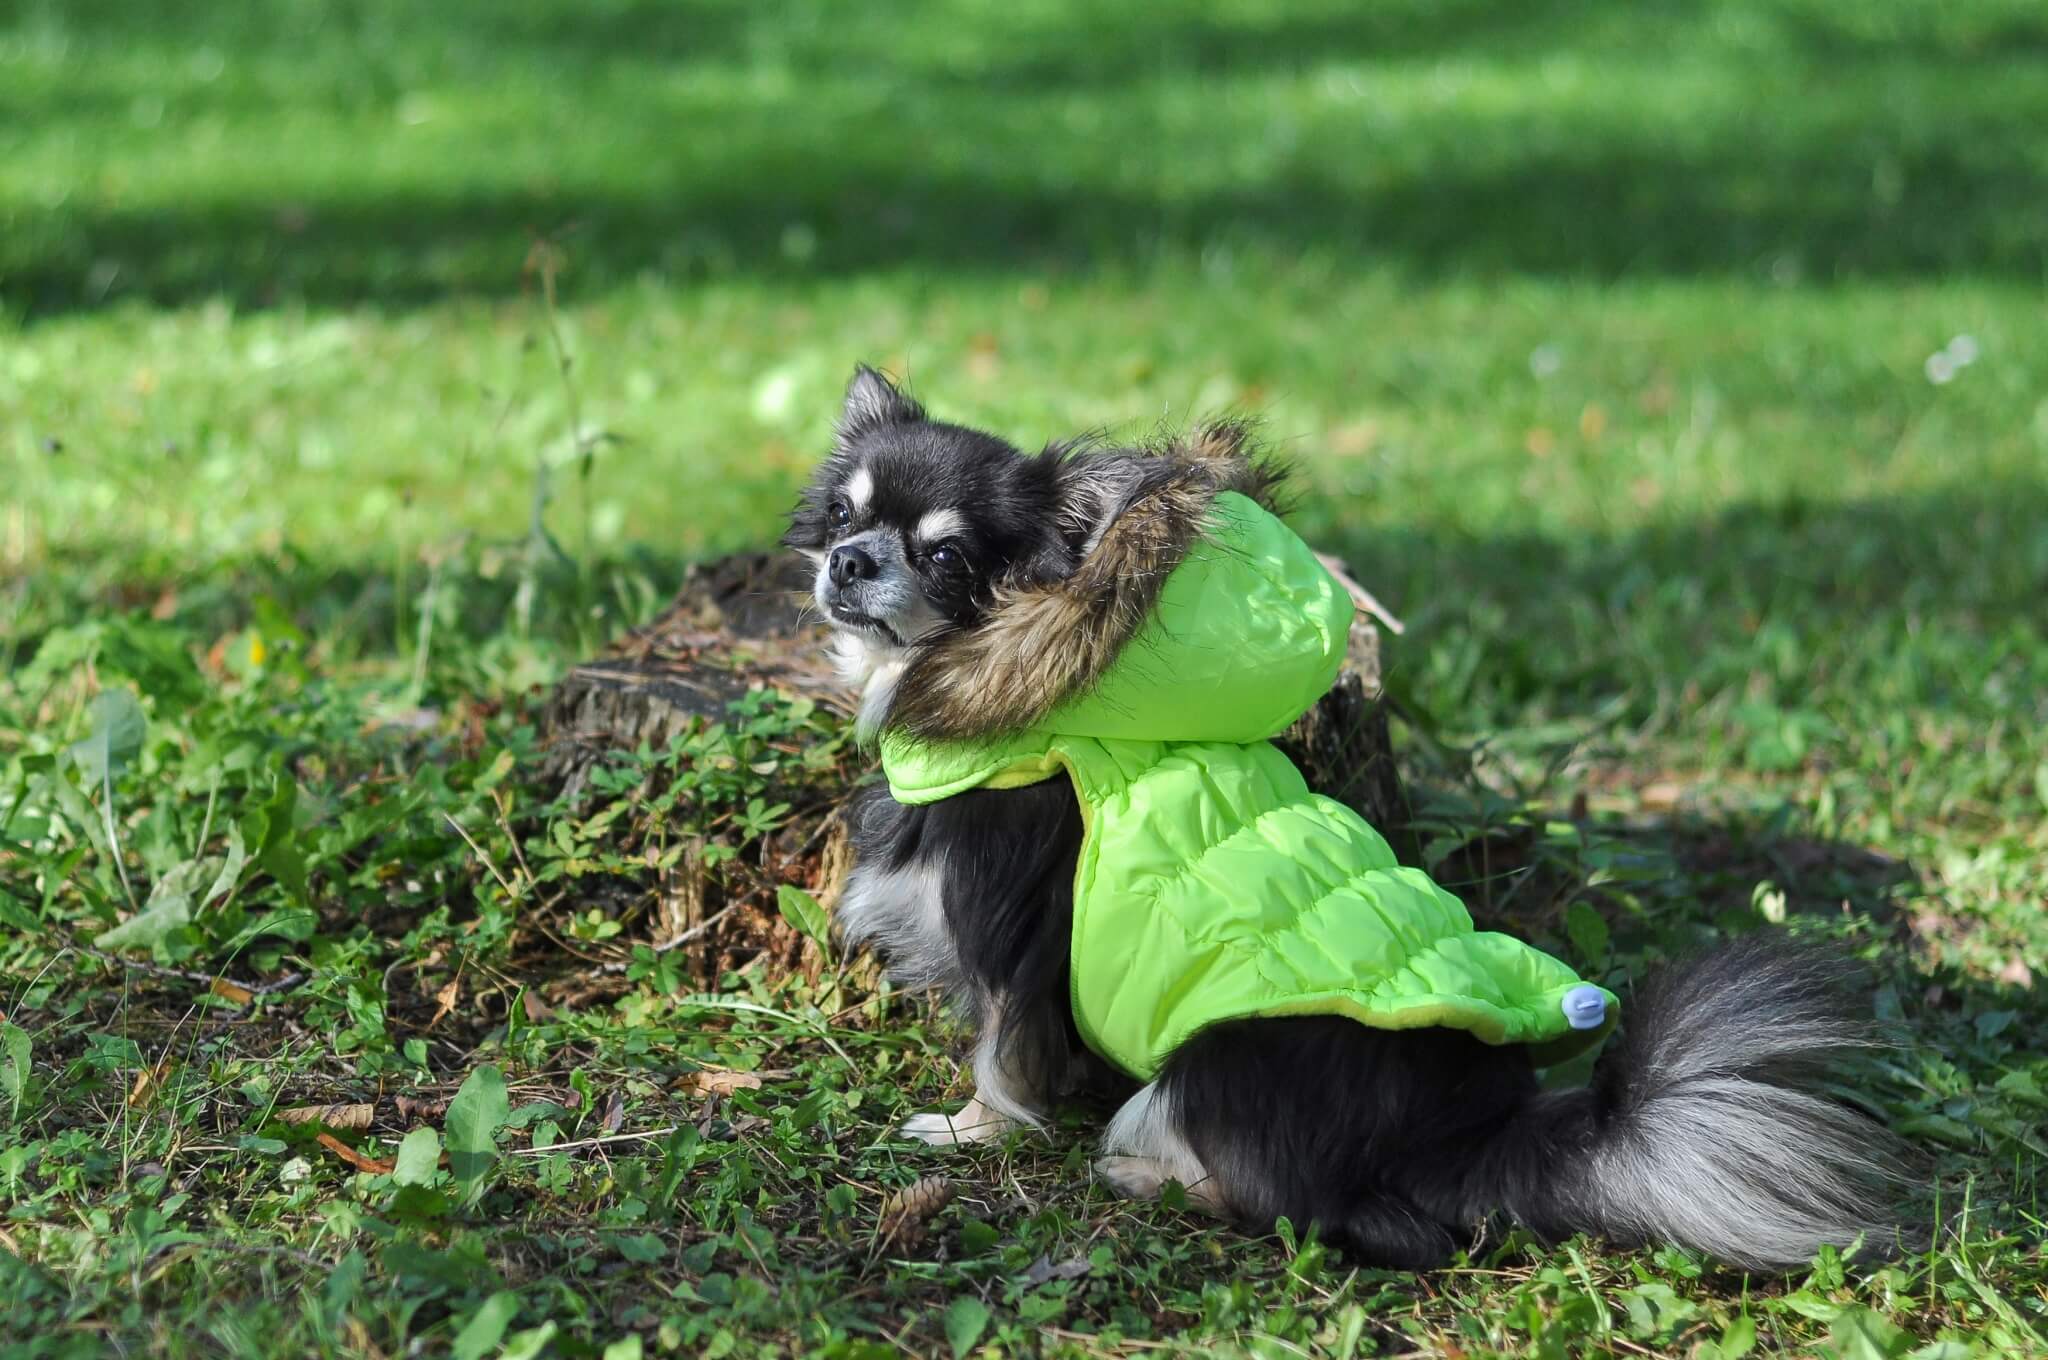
column 1000, row 581
column 912, row 522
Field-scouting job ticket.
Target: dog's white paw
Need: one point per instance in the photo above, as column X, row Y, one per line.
column 933, row 1128
column 971, row 1125
column 1133, row 1177
column 1147, row 1177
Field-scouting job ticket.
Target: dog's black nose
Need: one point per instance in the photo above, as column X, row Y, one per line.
column 849, row 563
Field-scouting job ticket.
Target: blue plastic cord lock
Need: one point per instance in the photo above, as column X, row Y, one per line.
column 1585, row 1007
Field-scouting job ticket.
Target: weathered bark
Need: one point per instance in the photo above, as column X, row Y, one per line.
column 740, row 622
column 734, row 624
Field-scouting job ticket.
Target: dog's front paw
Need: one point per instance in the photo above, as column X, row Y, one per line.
column 975, row 1124
column 934, row 1128
column 1147, row 1178
column 1132, row 1177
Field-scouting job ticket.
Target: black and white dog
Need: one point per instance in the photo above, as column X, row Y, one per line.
column 971, row 587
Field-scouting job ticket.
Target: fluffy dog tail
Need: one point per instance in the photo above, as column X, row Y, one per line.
column 1705, row 1123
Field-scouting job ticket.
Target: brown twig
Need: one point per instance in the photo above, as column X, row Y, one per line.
column 190, row 975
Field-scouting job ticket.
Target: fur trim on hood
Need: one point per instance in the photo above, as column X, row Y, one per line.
column 1135, row 514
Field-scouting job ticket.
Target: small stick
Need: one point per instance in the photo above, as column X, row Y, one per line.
column 594, row 1142
column 489, row 863
column 692, row 933
column 1361, row 598
column 157, row 969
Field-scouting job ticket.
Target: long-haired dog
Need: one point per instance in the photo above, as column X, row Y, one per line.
column 972, row 586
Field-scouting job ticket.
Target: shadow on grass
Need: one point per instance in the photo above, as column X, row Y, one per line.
column 869, row 150
column 1927, row 602
column 1923, row 604
column 1588, row 212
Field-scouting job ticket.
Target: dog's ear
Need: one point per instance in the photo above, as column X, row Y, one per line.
column 872, row 400
column 1090, row 490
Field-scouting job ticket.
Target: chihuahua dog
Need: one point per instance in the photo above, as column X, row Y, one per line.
column 971, row 588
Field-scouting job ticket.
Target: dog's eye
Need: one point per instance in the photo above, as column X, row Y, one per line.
column 945, row 555
column 838, row 515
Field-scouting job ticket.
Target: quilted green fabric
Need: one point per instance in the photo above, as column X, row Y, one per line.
column 1213, row 884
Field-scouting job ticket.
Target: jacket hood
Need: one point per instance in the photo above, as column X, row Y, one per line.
column 1195, row 615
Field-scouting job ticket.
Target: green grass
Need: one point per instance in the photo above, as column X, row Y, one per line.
column 1601, row 336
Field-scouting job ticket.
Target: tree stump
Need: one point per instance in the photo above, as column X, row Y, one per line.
column 741, row 623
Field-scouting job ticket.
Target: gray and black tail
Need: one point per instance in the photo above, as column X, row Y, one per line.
column 1707, row 1123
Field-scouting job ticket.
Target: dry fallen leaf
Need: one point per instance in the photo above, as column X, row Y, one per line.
column 718, row 1081
column 355, row 1117
column 146, row 1083
column 906, row 1214
column 1043, row 1269
column 537, row 1010
column 615, row 1113
column 1661, row 795
column 413, row 1110
column 354, row 1158
column 445, row 1000
column 240, row 995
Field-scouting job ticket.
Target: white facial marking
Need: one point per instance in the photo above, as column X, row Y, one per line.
column 860, row 489
column 938, row 524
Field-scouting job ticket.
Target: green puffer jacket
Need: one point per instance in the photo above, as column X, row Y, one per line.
column 1212, row 884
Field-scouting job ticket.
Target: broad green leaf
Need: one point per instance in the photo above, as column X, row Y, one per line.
column 1991, row 1024
column 1587, row 930
column 1860, row 1334
column 476, row 1114
column 803, row 911
column 486, row 1326
column 291, row 923
column 641, row 1249
column 1655, row 1310
column 625, row 1348
column 15, row 913
column 529, row 1343
column 966, row 1320
column 2022, row 1086
column 1739, row 1339
column 494, row 774
column 83, row 817
column 113, row 739
column 169, row 906
column 14, row 1049
column 269, row 830
column 343, row 1284
column 231, row 868
column 1940, row 1126
column 419, row 1157
column 1946, row 1350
